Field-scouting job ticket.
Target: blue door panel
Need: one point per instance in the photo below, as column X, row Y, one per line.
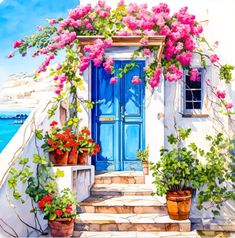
column 105, row 159
column 118, row 118
column 132, row 93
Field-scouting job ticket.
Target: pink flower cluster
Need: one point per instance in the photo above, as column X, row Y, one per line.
column 80, row 12
column 45, row 64
column 195, row 75
column 155, row 80
column 113, row 80
column 173, row 73
column 62, row 40
column 229, row 105
column 102, row 9
column 96, row 52
column 221, row 94
column 18, row 44
column 214, row 58
column 60, row 79
column 180, row 30
column 136, row 80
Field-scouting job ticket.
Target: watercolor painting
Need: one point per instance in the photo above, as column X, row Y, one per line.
column 117, row 118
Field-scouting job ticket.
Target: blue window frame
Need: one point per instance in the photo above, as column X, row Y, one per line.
column 192, row 94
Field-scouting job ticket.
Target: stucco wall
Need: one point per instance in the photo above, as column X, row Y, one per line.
column 78, row 178
column 165, row 108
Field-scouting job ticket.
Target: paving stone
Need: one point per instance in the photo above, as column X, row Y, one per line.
column 131, row 234
column 121, row 190
column 121, row 177
column 122, row 204
column 131, row 222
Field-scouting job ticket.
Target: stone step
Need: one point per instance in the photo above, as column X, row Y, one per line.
column 134, row 234
column 129, row 222
column 122, row 204
column 124, row 177
column 121, row 190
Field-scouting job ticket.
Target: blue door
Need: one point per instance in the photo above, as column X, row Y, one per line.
column 118, row 118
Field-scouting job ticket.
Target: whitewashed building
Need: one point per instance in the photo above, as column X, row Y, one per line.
column 123, row 124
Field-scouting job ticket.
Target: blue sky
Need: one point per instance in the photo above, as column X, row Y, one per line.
column 19, row 18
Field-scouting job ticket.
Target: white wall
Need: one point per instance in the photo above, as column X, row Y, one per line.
column 165, row 105
column 78, row 178
column 220, row 27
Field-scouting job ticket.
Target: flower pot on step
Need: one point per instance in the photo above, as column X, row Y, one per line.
column 178, row 204
column 62, row 227
column 59, row 160
column 83, row 157
column 73, row 158
column 145, row 167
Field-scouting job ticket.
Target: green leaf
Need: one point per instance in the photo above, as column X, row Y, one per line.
column 39, row 134
column 59, row 173
column 37, row 158
column 52, row 216
column 24, row 161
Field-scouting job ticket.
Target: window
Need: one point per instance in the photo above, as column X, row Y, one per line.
column 192, row 94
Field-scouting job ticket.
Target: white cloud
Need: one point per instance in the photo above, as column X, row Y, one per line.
column 1, row 1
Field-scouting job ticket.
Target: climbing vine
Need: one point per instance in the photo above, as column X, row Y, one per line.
column 184, row 38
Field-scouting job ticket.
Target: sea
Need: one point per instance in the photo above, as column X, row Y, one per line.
column 8, row 127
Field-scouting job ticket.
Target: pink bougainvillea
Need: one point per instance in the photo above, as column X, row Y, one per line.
column 229, row 105
column 181, row 29
column 136, row 80
column 195, row 75
column 113, row 80
column 18, row 43
column 221, row 94
column 214, row 58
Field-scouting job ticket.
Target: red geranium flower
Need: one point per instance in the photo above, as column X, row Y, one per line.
column 59, row 152
column 53, row 124
column 58, row 212
column 41, row 205
column 69, row 209
column 80, row 138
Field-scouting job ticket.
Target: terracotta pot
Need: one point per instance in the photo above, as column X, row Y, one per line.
column 73, row 158
column 178, row 204
column 59, row 160
column 145, row 167
column 62, row 227
column 83, row 157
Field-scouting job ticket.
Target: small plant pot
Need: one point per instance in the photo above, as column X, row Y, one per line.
column 59, row 160
column 145, row 167
column 73, row 158
column 61, row 227
column 83, row 157
column 178, row 204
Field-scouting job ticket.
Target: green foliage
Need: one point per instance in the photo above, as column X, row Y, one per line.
column 36, row 185
column 225, row 72
column 179, row 168
column 218, row 177
column 143, row 155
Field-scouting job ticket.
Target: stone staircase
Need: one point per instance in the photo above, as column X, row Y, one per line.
column 121, row 205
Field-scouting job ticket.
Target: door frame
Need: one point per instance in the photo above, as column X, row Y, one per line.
column 154, row 114
column 121, row 163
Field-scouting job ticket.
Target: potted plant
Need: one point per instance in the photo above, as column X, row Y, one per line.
column 61, row 144
column 143, row 155
column 87, row 146
column 177, row 173
column 60, row 210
